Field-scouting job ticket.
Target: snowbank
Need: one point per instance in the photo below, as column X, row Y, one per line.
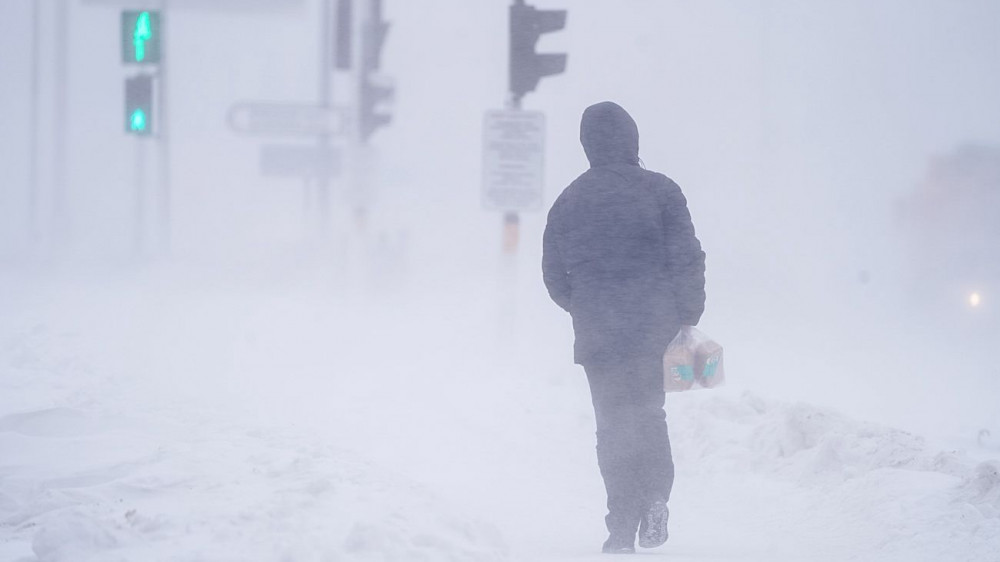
column 103, row 480
column 847, row 489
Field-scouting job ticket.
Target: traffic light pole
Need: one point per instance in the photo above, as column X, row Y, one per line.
column 326, row 102
column 139, row 183
column 527, row 67
column 371, row 91
column 510, row 232
column 164, row 138
column 36, row 41
column 60, row 218
column 511, row 219
column 510, row 236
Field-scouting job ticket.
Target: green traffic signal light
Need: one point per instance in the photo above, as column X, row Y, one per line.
column 139, row 105
column 137, row 122
column 142, row 33
column 140, row 36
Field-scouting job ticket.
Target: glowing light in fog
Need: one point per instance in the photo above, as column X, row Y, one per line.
column 974, row 300
column 138, row 120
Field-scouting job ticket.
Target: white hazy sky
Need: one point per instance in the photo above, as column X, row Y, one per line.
column 773, row 115
column 778, row 109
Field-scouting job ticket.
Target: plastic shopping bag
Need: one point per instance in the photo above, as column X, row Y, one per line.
column 678, row 363
column 692, row 360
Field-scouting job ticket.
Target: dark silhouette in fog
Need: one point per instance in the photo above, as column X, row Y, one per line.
column 621, row 256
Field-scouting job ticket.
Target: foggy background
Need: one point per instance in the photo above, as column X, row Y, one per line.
column 797, row 130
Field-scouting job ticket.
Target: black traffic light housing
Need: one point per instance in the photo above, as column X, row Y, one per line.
column 342, row 39
column 139, row 105
column 373, row 93
column 375, row 89
column 527, row 24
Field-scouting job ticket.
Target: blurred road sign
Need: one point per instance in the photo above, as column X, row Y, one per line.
column 301, row 161
column 272, row 118
column 513, row 150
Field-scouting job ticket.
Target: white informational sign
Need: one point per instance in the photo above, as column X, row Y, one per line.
column 513, row 151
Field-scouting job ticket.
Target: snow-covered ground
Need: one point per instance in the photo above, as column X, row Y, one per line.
column 170, row 413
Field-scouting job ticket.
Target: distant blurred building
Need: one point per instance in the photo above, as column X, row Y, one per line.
column 951, row 223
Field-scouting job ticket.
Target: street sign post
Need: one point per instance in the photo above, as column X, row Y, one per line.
column 513, row 150
column 290, row 119
column 299, row 161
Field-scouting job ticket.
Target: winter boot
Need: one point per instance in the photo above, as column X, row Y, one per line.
column 617, row 544
column 653, row 526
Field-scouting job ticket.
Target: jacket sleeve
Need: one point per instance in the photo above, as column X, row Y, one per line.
column 685, row 258
column 554, row 271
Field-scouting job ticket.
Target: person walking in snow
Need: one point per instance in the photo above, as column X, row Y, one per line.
column 621, row 256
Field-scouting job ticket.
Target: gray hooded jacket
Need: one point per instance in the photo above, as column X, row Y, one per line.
column 619, row 250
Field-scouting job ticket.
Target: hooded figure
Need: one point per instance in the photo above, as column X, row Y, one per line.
column 621, row 256
column 609, row 135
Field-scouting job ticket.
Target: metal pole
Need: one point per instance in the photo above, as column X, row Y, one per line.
column 33, row 125
column 140, row 192
column 511, row 220
column 364, row 156
column 507, row 298
column 307, row 206
column 60, row 129
column 326, row 102
column 766, row 168
column 164, row 132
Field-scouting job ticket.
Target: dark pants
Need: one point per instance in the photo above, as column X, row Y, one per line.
column 633, row 449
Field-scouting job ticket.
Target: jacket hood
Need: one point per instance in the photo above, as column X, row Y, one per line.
column 609, row 135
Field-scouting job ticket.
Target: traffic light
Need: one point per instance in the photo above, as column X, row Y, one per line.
column 375, row 88
column 374, row 91
column 373, row 37
column 342, row 39
column 527, row 67
column 140, row 37
column 139, row 105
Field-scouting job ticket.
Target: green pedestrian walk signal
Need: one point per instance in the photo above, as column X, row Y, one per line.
column 137, row 121
column 139, row 105
column 141, row 37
